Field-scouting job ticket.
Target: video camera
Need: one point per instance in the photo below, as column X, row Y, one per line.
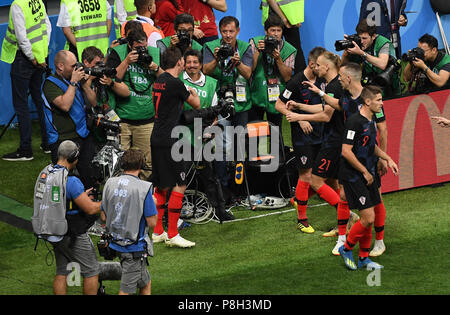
column 270, row 44
column 144, row 57
column 348, row 42
column 415, row 53
column 99, row 70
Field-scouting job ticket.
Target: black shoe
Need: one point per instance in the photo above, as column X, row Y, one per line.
column 45, row 148
column 18, row 156
column 223, row 215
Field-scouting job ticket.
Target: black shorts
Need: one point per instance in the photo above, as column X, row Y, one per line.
column 165, row 171
column 326, row 164
column 305, row 155
column 360, row 196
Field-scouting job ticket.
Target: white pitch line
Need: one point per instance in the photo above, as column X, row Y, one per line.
column 272, row 213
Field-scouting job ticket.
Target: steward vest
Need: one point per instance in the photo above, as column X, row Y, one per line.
column 89, row 24
column 123, row 203
column 148, row 29
column 130, row 9
column 294, row 10
column 49, row 214
column 206, row 94
column 242, row 100
column 442, row 63
column 76, row 112
column 380, row 41
column 259, row 88
column 36, row 28
column 139, row 105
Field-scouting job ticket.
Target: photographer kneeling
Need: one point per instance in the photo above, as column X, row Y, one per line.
column 375, row 53
column 130, row 212
column 137, row 65
column 428, row 63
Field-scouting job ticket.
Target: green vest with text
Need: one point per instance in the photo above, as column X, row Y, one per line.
column 89, row 24
column 205, row 93
column 242, row 102
column 139, row 105
column 294, row 10
column 259, row 86
column 36, row 28
column 130, row 9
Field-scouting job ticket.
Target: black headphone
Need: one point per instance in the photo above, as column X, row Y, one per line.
column 74, row 155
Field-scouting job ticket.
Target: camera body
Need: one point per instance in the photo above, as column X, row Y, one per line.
column 384, row 79
column 103, row 247
column 415, row 53
column 99, row 70
column 225, row 51
column 144, row 57
column 270, row 44
column 122, row 40
column 348, row 42
column 184, row 40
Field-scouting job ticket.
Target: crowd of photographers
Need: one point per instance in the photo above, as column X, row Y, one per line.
column 96, row 91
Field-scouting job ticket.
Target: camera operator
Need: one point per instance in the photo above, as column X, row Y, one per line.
column 373, row 54
column 230, row 61
column 64, row 95
column 66, row 199
column 137, row 65
column 184, row 30
column 206, row 89
column 129, row 216
column 435, row 65
column 273, row 64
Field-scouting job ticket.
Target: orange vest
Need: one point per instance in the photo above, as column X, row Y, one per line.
column 148, row 29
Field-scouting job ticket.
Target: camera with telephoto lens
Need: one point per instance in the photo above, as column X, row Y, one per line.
column 348, row 42
column 415, row 53
column 103, row 247
column 225, row 51
column 144, row 57
column 99, row 70
column 270, row 44
column 184, row 40
column 384, row 79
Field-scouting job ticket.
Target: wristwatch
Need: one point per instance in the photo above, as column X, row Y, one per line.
column 364, row 55
column 74, row 84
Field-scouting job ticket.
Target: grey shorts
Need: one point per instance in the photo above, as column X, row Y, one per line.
column 82, row 253
column 135, row 274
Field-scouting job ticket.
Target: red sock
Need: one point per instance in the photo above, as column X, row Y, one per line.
column 343, row 214
column 175, row 204
column 364, row 243
column 301, row 193
column 328, row 194
column 357, row 231
column 380, row 218
column 160, row 196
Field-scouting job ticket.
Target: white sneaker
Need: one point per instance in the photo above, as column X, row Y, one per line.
column 340, row 242
column 159, row 238
column 378, row 248
column 178, row 241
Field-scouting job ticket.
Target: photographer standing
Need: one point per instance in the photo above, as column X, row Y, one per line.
column 25, row 47
column 184, row 30
column 374, row 55
column 230, row 61
column 137, row 66
column 435, row 65
column 69, row 214
column 273, row 64
column 169, row 95
column 64, row 96
column 130, row 212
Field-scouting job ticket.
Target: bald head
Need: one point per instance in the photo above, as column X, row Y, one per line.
column 64, row 63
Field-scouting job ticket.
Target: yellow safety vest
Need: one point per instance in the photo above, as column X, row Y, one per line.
column 34, row 13
column 89, row 24
column 294, row 10
column 131, row 14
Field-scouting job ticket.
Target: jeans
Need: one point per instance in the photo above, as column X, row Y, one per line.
column 27, row 78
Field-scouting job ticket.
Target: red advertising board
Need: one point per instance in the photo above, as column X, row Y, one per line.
column 419, row 146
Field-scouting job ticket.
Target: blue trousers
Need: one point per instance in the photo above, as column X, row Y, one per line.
column 26, row 78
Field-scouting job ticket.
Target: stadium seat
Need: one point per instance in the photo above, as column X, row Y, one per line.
column 441, row 7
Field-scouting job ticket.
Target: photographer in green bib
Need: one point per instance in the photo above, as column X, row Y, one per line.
column 137, row 65
column 427, row 68
column 376, row 54
column 230, row 61
column 273, row 65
